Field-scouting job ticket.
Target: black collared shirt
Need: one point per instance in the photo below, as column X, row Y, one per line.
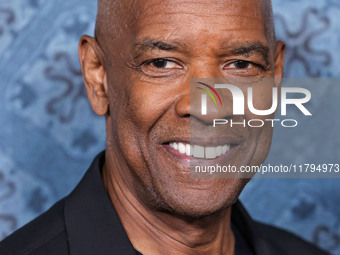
column 86, row 223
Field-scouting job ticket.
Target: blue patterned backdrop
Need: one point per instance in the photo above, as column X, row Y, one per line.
column 49, row 134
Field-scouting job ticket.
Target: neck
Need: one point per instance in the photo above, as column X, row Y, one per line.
column 153, row 232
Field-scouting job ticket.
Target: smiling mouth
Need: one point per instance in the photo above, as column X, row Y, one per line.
column 198, row 151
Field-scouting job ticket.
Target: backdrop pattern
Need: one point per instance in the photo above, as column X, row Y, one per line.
column 49, row 134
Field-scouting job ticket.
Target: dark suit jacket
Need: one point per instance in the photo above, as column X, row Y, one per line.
column 86, row 223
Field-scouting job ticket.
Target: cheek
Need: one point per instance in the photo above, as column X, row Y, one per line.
column 260, row 137
column 263, row 138
column 133, row 104
column 135, row 108
column 146, row 102
column 144, row 108
column 264, row 97
column 259, row 140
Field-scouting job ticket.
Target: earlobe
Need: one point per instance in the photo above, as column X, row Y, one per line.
column 94, row 75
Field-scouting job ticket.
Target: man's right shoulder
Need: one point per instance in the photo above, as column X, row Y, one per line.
column 44, row 235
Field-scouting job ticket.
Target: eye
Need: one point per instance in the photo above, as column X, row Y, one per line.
column 161, row 67
column 243, row 68
column 242, row 64
column 163, row 64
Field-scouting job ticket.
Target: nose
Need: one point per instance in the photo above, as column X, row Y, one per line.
column 199, row 85
column 183, row 105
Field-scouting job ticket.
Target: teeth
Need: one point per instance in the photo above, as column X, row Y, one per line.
column 181, row 148
column 187, row 149
column 198, row 151
column 210, row 152
column 218, row 151
column 225, row 148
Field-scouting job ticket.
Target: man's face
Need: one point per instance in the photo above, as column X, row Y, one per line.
column 149, row 67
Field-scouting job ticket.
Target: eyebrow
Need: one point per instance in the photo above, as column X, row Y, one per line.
column 251, row 48
column 244, row 50
column 151, row 44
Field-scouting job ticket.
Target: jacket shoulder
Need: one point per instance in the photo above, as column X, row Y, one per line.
column 44, row 235
column 285, row 242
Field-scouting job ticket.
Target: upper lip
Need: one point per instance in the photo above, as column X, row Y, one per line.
column 205, row 141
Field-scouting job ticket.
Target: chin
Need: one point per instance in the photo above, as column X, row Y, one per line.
column 202, row 203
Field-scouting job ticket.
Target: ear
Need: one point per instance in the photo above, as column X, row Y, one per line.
column 279, row 62
column 279, row 59
column 92, row 66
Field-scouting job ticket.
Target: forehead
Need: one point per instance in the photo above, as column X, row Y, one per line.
column 192, row 21
column 202, row 8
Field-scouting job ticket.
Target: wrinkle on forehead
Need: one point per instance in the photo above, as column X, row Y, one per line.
column 117, row 16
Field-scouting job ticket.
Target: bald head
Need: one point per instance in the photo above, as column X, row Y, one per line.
column 114, row 17
column 268, row 21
